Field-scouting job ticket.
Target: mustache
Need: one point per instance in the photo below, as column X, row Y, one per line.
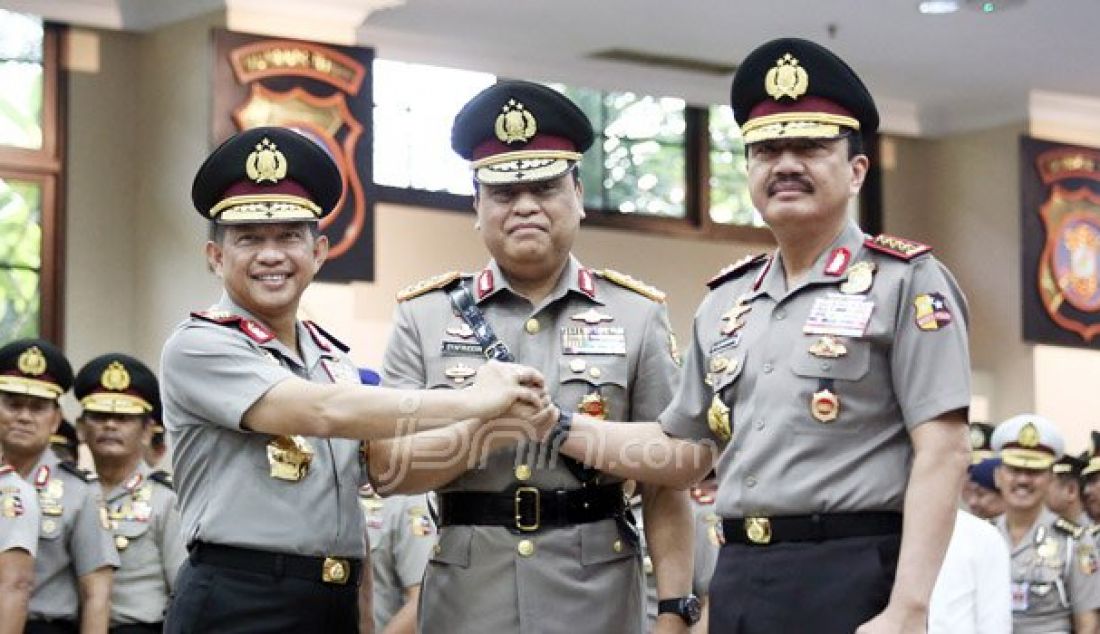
column 785, row 181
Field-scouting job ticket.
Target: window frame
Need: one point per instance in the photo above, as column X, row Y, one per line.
column 45, row 166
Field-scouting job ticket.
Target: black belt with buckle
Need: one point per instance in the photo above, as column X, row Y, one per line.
column 760, row 531
column 333, row 570
column 527, row 509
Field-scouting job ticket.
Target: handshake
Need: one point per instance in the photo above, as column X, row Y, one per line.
column 512, row 398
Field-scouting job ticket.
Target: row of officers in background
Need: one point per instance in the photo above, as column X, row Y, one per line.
column 91, row 552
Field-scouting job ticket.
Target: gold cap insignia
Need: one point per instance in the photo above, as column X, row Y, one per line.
column 115, row 377
column 266, row 163
column 32, row 361
column 515, row 123
column 1028, row 436
column 786, row 79
column 977, row 438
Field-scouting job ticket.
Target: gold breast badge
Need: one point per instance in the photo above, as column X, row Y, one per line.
column 289, row 457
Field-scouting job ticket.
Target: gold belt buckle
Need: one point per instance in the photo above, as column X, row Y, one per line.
column 758, row 530
column 520, row 491
column 335, row 570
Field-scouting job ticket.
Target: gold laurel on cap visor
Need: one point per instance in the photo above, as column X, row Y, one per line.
column 30, row 387
column 523, row 167
column 107, row 403
column 258, row 208
column 1027, row 458
column 978, row 455
column 796, row 125
column 1092, row 467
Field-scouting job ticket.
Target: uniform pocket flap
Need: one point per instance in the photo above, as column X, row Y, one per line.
column 453, row 547
column 852, row 365
column 602, row 542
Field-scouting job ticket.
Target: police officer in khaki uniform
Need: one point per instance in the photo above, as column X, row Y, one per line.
column 1064, row 496
column 402, row 535
column 1090, row 479
column 256, row 403
column 831, row 379
column 529, row 543
column 75, row 559
column 19, row 521
column 117, row 393
column 1055, row 585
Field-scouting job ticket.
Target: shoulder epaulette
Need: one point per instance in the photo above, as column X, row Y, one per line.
column 430, row 284
column 639, row 287
column 71, row 467
column 900, row 248
column 320, row 335
column 737, row 268
column 253, row 329
column 162, row 477
column 1069, row 528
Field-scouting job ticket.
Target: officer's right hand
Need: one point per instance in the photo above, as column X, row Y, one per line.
column 501, row 387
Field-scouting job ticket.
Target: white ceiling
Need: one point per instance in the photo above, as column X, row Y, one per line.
column 931, row 74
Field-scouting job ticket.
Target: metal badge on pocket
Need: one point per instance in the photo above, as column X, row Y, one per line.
column 289, row 457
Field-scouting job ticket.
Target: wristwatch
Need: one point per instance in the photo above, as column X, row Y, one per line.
column 688, row 608
column 561, row 428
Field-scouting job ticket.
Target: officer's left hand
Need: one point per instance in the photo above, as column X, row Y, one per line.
column 671, row 624
column 896, row 620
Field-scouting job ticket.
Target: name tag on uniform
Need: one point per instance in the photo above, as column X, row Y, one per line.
column 461, row 349
column 593, row 340
column 841, row 315
column 1019, row 596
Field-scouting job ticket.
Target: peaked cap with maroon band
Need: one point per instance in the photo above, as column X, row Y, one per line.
column 520, row 132
column 35, row 367
column 267, row 174
column 794, row 88
column 117, row 383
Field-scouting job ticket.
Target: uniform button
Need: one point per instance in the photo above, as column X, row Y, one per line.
column 825, row 365
column 577, row 365
column 780, row 315
column 750, row 481
column 768, row 368
column 594, row 372
column 532, row 326
column 437, row 549
column 617, row 546
column 759, row 424
column 523, row 473
column 525, row 548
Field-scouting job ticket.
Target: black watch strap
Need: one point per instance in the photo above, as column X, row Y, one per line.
column 687, row 608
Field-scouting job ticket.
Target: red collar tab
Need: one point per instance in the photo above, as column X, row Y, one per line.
column 134, row 481
column 837, row 262
column 586, row 283
column 485, row 284
column 760, row 276
column 254, row 329
column 42, row 476
column 900, row 248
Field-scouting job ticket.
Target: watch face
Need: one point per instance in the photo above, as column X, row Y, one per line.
column 693, row 609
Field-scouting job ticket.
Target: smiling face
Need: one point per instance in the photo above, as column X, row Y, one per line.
column 1023, row 489
column 115, row 436
column 794, row 181
column 26, row 423
column 266, row 267
column 525, row 224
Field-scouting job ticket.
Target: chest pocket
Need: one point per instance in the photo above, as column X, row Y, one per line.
column 851, row 366
column 452, row 372
column 723, row 370
column 596, row 385
column 132, row 529
column 51, row 527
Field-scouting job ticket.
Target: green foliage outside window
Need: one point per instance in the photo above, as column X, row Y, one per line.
column 20, row 258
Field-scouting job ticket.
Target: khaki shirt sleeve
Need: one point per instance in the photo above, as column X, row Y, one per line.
column 403, row 364
column 657, row 375
column 413, row 539
column 20, row 531
column 686, row 416
column 931, row 368
column 217, row 374
column 1084, row 579
column 170, row 540
column 92, row 546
